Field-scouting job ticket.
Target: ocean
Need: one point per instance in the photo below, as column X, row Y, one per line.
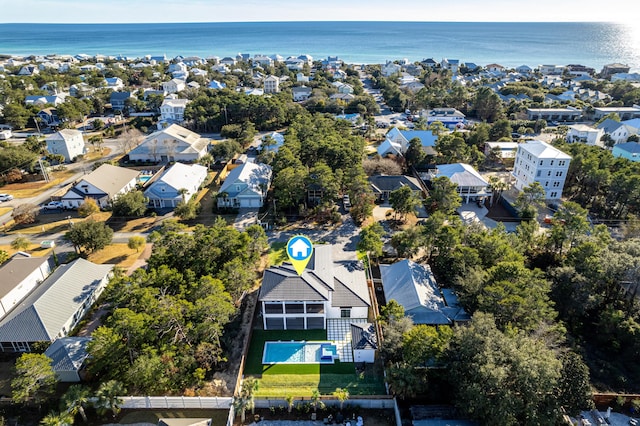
column 508, row 44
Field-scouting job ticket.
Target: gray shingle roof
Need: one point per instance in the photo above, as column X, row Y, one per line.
column 363, row 336
column 42, row 314
column 381, row 183
column 110, row 179
column 68, row 353
column 17, row 269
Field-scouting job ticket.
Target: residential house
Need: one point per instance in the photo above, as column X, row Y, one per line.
column 118, row 100
column 450, row 117
column 301, row 78
column 450, row 64
column 55, row 307
column 301, row 93
column 271, row 84
column 391, row 68
column 610, row 69
column 537, row 161
column 628, row 150
column 228, row 61
column 414, row 287
column 66, row 142
column 569, row 114
column 172, row 110
column 19, row 276
column 178, row 184
column 504, row 149
column 364, row 342
column 263, row 60
column 221, row 68
column 497, row 68
column 68, row 355
column 397, row 141
column 175, row 143
column 114, row 83
column 345, row 97
column 308, row 59
column 471, row 185
column 39, row 100
column 343, row 87
column 29, row 70
column 278, row 139
column 245, row 186
column 326, row 290
column 384, row 185
column 48, row 117
column 81, row 90
column 174, row 85
column 585, row 134
column 215, row 84
column 430, row 63
column 178, row 67
column 625, row 76
column 551, row 69
column 625, row 113
column 104, row 184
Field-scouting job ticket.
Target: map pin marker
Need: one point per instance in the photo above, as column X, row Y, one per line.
column 299, row 250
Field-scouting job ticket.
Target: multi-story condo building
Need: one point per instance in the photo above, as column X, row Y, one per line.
column 537, row 161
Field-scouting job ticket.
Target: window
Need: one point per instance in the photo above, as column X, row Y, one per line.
column 556, row 184
column 552, row 162
column 315, row 308
column 538, row 173
column 272, row 308
column 541, row 162
column 546, row 183
column 561, row 163
column 549, row 173
column 558, row 174
column 345, row 313
column 294, row 308
column 554, row 195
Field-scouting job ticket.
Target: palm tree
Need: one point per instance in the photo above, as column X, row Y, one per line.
column 55, row 419
column 109, row 397
column 75, row 399
column 206, row 160
column 290, row 399
column 20, row 244
column 249, row 387
column 183, row 192
column 341, row 395
column 498, row 186
column 240, row 404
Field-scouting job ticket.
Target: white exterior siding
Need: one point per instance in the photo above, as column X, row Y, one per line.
column 549, row 167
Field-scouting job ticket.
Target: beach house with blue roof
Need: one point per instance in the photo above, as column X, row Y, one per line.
column 628, row 150
column 397, row 141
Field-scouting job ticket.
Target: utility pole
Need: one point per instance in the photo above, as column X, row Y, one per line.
column 226, row 119
column 45, row 174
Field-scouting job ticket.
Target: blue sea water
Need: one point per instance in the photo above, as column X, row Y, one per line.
column 509, row 44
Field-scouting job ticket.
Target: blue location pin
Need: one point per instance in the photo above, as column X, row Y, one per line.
column 299, row 250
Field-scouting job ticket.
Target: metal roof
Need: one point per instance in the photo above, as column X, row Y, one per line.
column 42, row 314
column 68, row 353
column 363, row 336
column 462, row 174
column 14, row 271
column 110, row 179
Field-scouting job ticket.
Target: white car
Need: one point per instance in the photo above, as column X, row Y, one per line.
column 54, row 205
column 6, row 197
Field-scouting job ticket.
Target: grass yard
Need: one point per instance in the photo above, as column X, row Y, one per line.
column 33, row 250
column 300, row 380
column 278, row 253
column 31, row 189
column 118, row 254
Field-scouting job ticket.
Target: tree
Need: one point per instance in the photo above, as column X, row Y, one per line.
column 403, row 201
column 505, row 378
column 569, row 222
column 188, row 210
column 443, row 196
column 25, row 214
column 34, row 378
column 248, row 390
column 361, row 206
column 88, row 207
column 530, row 199
column 20, row 244
column 57, row 419
column 341, row 395
column 371, row 240
column 136, row 242
column 132, row 203
column 424, row 344
column 487, row 104
column 405, row 381
column 316, row 401
column 574, row 388
column 498, row 186
column 4, row 256
column 225, row 150
column 97, row 142
column 89, row 236
column 75, row 399
column 414, row 155
column 109, row 397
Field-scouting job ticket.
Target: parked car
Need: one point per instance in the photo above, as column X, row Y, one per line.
column 346, row 202
column 6, row 197
column 53, row 205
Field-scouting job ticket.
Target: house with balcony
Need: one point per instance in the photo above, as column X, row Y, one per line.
column 581, row 133
column 450, row 117
column 174, row 143
column 537, row 161
column 55, row 307
column 397, row 141
column 245, row 186
column 271, row 84
column 104, row 185
column 177, row 184
column 325, row 290
column 66, row 142
column 118, row 100
column 471, row 185
column 301, row 93
column 174, row 85
column 172, row 111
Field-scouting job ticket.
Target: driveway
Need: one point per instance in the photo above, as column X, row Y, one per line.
column 246, row 217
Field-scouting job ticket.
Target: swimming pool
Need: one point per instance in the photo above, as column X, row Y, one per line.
column 299, row 353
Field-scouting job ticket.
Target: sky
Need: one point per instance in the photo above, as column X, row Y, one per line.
column 150, row 11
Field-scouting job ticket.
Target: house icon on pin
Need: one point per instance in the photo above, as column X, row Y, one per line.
column 299, row 249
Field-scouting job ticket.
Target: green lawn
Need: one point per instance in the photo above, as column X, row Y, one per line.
column 300, row 380
column 278, row 253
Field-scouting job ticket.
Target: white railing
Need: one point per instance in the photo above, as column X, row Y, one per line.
column 182, row 402
column 373, row 403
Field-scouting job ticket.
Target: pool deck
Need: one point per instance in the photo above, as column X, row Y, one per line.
column 339, row 331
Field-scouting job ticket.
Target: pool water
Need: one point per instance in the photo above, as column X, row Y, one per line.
column 299, row 353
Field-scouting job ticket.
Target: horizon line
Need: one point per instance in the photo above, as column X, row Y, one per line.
column 314, row 21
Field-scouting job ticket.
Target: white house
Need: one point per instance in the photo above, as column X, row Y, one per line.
column 54, row 308
column 397, row 141
column 505, row 149
column 301, row 93
column 245, row 186
column 414, row 287
column 450, row 64
column 175, row 143
column 364, row 342
column 174, row 85
column 471, row 185
column 391, row 68
column 325, row 290
column 19, row 276
column 537, row 161
column 167, row 190
column 585, row 134
column 619, row 132
column 172, row 110
column 450, row 117
column 68, row 355
column 104, row 185
column 271, row 84
column 67, row 142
